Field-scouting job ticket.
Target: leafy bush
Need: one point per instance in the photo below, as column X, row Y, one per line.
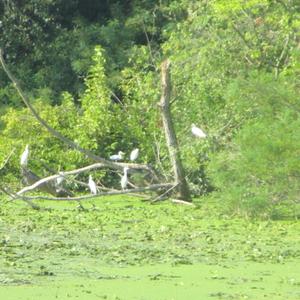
column 99, row 124
column 260, row 167
column 21, row 128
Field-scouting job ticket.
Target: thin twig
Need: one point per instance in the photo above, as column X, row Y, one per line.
column 156, row 151
column 149, row 47
column 118, row 99
column 158, row 198
column 249, row 46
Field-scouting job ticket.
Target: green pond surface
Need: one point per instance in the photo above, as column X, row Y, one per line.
column 200, row 281
column 123, row 248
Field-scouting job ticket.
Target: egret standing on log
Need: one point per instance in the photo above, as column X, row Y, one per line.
column 134, row 154
column 117, row 157
column 92, row 185
column 24, row 157
column 124, row 179
column 196, row 131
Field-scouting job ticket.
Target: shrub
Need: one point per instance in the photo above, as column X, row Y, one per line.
column 260, row 167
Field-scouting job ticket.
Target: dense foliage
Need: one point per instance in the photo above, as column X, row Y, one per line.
column 93, row 73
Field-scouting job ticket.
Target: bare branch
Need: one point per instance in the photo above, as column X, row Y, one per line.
column 149, row 46
column 74, row 172
column 118, row 99
column 249, row 46
column 15, row 197
column 158, row 198
column 88, row 197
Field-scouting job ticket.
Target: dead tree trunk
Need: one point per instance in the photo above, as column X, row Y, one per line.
column 182, row 187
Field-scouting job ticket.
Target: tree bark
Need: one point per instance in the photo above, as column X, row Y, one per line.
column 183, row 192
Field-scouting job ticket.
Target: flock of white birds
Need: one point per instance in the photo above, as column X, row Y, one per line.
column 196, row 131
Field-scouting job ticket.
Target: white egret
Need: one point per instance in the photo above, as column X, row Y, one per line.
column 92, row 185
column 124, row 179
column 60, row 179
column 118, row 156
column 196, row 131
column 24, row 157
column 134, row 154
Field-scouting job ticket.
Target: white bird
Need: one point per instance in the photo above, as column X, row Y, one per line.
column 117, row 157
column 24, row 157
column 60, row 179
column 124, row 179
column 92, row 185
column 134, row 154
column 196, row 131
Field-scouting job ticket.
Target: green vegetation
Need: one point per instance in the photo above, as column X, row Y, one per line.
column 235, row 73
column 122, row 248
column 91, row 69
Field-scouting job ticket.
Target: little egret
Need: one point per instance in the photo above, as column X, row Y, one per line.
column 124, row 179
column 196, row 131
column 60, row 179
column 134, row 154
column 117, row 157
column 92, row 185
column 24, row 157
